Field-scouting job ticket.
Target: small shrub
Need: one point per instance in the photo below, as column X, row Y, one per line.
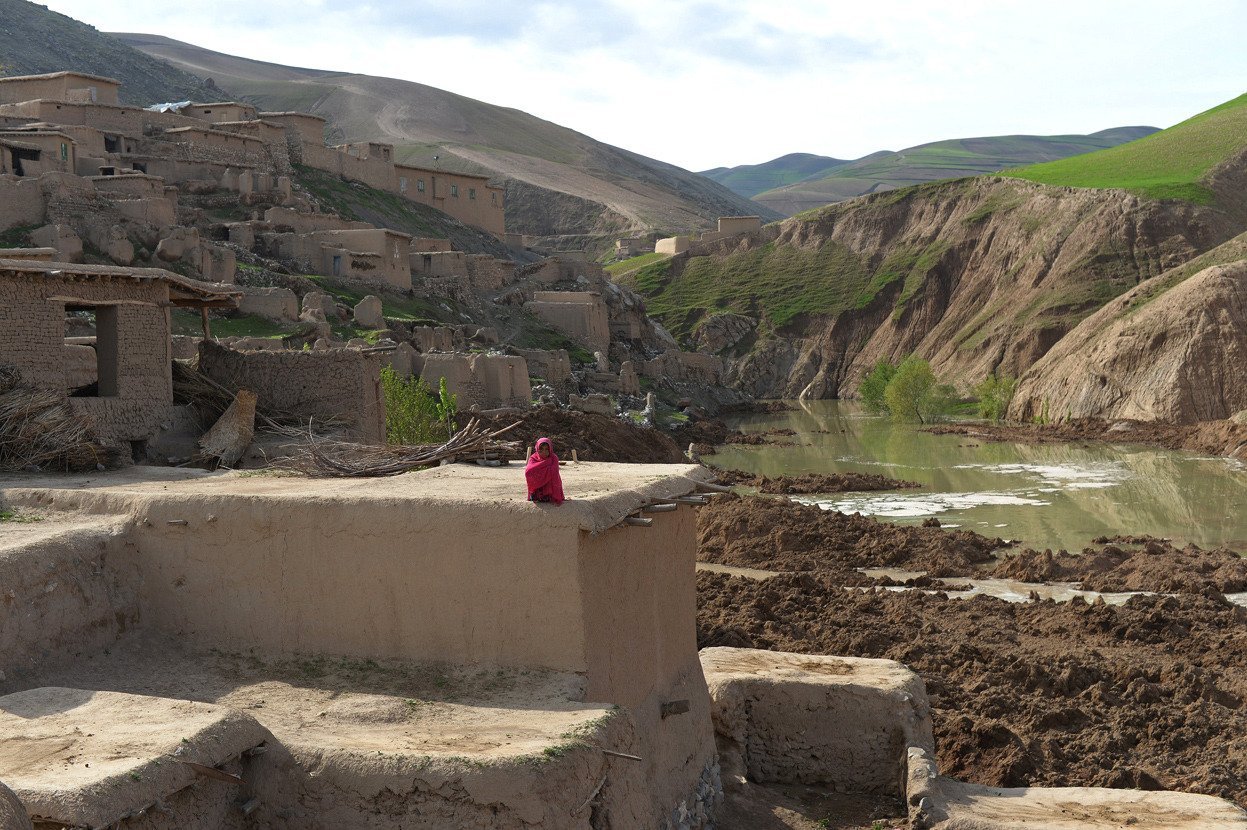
column 913, row 394
column 995, row 394
column 874, row 385
column 414, row 414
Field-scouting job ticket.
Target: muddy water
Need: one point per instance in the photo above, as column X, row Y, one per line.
column 1046, row 496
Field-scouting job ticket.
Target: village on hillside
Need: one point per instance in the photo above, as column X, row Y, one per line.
column 275, row 552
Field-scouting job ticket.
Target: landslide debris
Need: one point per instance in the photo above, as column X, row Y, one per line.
column 1154, row 565
column 782, row 535
column 1226, row 437
column 594, row 437
column 1147, row 695
column 809, row 483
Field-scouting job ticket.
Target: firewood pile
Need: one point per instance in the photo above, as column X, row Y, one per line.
column 322, row 457
column 40, row 431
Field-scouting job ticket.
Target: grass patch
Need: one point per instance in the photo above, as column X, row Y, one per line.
column 241, row 325
column 17, row 236
column 411, row 309
column 633, row 263
column 19, row 517
column 778, row 284
column 534, row 334
column 1170, row 164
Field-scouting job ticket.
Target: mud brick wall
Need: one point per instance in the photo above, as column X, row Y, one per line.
column 344, row 384
column 32, row 338
column 21, row 202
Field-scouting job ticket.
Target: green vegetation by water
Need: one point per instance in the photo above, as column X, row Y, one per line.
column 1170, row 164
column 777, row 283
column 415, row 415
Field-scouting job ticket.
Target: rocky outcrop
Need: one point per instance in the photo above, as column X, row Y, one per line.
column 722, row 331
column 1178, row 356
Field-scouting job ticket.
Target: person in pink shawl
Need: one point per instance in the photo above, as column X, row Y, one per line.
column 542, row 474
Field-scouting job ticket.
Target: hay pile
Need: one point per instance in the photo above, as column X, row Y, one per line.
column 39, row 430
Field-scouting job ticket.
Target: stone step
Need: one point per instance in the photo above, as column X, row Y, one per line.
column 90, row 759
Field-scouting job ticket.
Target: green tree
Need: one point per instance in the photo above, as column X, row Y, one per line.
column 913, row 394
column 414, row 414
column 874, row 385
column 995, row 394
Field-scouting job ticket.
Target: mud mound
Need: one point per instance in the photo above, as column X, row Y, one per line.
column 1227, row 437
column 1155, row 566
column 809, row 483
column 781, row 535
column 594, row 437
column 705, row 432
column 1149, row 694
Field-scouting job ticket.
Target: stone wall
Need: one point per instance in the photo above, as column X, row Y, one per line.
column 274, row 303
column 299, row 221
column 693, row 367
column 672, row 245
column 554, row 367
column 343, row 384
column 135, row 354
column 21, row 202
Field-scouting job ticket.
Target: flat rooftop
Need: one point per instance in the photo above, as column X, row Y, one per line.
column 599, row 495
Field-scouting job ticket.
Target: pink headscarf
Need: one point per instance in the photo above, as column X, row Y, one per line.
column 542, row 475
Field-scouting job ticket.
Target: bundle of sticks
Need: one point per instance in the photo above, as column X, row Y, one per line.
column 340, row 459
column 39, row 430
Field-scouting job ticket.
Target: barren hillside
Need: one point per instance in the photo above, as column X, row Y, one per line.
column 558, row 181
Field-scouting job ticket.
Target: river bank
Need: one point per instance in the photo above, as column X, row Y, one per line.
column 1225, row 438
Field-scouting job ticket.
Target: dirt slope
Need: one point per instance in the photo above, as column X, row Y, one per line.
column 1176, row 355
column 621, row 191
column 975, row 275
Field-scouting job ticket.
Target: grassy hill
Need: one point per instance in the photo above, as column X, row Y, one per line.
column 35, row 40
column 949, row 159
column 558, row 181
column 1170, row 164
column 752, row 179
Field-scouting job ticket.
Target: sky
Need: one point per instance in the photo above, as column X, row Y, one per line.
column 708, row 83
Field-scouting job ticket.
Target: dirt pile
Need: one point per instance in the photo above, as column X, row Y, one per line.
column 594, row 437
column 1172, row 350
column 781, row 535
column 1225, row 437
column 810, row 483
column 1154, row 566
column 1148, row 695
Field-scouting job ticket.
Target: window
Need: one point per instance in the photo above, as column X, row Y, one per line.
column 454, row 190
column 402, row 184
column 420, row 185
column 64, row 151
column 493, row 198
column 471, row 192
column 91, row 368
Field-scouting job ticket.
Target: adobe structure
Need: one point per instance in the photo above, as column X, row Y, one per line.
column 469, row 659
column 119, row 374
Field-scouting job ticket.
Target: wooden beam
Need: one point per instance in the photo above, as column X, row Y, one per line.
column 203, row 318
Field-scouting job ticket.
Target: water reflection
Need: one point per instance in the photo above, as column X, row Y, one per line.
column 1046, row 495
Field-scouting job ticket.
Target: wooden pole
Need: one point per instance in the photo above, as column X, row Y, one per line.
column 203, row 318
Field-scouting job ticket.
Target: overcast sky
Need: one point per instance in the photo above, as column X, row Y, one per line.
column 724, row 82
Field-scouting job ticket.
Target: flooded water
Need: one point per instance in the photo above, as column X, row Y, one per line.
column 1046, row 496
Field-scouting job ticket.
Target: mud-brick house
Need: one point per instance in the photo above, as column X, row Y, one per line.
column 101, row 335
column 34, row 152
column 60, row 86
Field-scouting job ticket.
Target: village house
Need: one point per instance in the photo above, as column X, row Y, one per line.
column 60, row 86
column 470, row 199
column 120, row 373
column 34, row 152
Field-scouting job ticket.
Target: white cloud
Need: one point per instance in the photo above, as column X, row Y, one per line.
column 722, row 82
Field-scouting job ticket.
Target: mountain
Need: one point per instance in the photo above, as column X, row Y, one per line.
column 751, row 179
column 886, row 170
column 35, row 40
column 559, row 182
column 976, row 275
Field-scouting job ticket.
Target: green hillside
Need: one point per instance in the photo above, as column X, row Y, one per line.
column 35, row 40
column 751, row 179
column 1170, row 164
column 954, row 158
